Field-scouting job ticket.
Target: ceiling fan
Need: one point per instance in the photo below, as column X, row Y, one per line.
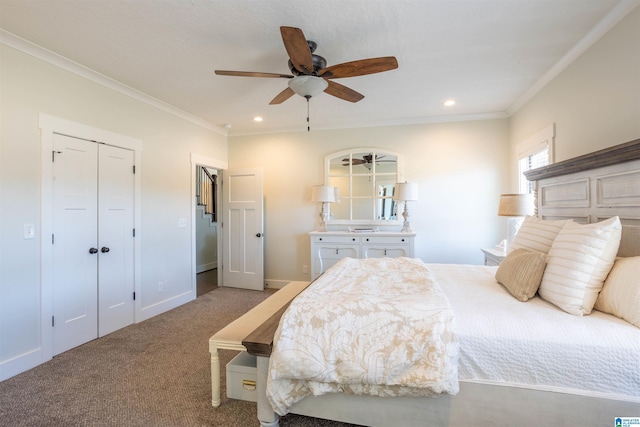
column 309, row 72
column 366, row 161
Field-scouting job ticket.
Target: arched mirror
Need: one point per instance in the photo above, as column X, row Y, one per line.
column 365, row 179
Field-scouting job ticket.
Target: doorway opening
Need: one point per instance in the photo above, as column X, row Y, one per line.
column 207, row 216
column 206, row 175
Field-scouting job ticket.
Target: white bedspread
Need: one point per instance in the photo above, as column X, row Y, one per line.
column 386, row 334
column 534, row 344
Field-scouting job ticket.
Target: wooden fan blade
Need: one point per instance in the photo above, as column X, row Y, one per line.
column 345, row 162
column 297, row 48
column 282, row 96
column 359, row 68
column 343, row 92
column 252, row 74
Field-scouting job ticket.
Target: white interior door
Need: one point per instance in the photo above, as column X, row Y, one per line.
column 116, row 239
column 242, row 225
column 93, row 242
column 75, row 243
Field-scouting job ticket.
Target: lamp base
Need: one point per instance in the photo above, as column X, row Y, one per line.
column 513, row 225
column 406, row 227
column 324, row 217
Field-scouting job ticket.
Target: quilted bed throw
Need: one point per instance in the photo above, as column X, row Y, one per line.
column 377, row 326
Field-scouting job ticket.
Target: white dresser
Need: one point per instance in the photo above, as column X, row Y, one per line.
column 328, row 248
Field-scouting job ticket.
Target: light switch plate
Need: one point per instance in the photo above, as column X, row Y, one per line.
column 29, row 231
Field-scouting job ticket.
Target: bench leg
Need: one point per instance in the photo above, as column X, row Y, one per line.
column 266, row 416
column 215, row 379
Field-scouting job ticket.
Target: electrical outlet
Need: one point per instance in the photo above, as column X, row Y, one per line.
column 305, row 269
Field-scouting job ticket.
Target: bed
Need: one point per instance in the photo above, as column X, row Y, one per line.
column 552, row 361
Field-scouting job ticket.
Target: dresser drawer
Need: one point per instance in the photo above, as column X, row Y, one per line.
column 338, row 251
column 385, row 240
column 391, row 251
column 336, row 239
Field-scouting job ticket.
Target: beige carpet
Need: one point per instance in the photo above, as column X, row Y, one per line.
column 155, row 373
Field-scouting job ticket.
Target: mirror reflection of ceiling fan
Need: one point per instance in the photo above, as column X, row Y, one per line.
column 310, row 75
column 366, row 160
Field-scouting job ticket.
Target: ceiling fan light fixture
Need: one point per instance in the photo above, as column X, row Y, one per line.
column 308, row 85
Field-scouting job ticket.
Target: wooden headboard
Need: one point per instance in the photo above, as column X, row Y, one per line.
column 592, row 188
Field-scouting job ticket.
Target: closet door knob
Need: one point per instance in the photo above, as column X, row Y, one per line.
column 104, row 250
column 93, row 250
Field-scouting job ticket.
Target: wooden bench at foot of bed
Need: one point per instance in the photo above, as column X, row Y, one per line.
column 231, row 337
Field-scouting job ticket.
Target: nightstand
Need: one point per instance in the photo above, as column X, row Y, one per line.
column 493, row 256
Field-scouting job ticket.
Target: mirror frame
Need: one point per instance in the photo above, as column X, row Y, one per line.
column 348, row 152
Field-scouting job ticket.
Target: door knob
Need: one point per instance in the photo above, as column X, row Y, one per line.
column 93, row 250
column 259, row 235
column 104, row 250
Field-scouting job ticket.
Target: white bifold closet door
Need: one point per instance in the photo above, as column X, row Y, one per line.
column 92, row 241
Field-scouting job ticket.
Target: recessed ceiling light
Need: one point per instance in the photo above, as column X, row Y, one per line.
column 257, row 119
column 449, row 103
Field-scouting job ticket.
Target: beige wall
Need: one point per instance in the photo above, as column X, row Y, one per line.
column 29, row 86
column 461, row 168
column 595, row 102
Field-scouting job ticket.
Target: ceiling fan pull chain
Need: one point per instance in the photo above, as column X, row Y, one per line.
column 308, row 124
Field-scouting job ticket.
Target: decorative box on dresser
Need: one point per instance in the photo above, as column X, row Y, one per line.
column 327, row 248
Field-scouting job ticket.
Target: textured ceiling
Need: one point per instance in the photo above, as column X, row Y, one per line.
column 486, row 54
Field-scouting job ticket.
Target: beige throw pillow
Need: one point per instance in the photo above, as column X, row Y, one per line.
column 537, row 234
column 578, row 263
column 521, row 273
column 620, row 294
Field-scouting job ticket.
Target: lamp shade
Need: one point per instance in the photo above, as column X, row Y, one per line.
column 323, row 193
column 406, row 191
column 308, row 85
column 515, row 205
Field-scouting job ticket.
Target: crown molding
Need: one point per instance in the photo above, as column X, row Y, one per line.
column 610, row 20
column 59, row 61
column 386, row 123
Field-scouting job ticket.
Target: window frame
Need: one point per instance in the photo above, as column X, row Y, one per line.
column 532, row 146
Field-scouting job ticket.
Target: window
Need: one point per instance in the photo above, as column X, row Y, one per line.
column 365, row 179
column 535, row 152
column 532, row 161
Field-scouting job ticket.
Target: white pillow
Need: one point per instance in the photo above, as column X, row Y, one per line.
column 537, row 234
column 578, row 262
column 620, row 294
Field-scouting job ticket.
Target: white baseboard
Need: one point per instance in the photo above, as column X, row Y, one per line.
column 206, row 267
column 163, row 306
column 21, row 363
